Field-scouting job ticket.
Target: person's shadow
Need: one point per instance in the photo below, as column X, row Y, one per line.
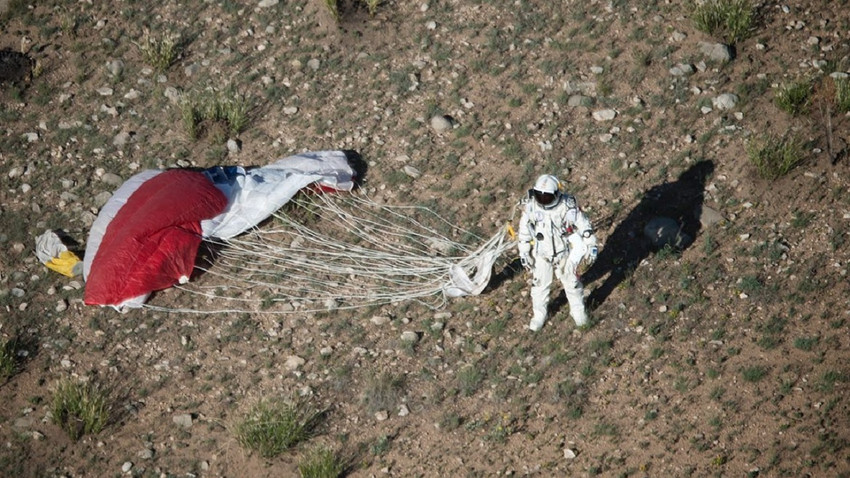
column 622, row 251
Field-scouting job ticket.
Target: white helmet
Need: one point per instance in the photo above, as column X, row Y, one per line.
column 546, row 191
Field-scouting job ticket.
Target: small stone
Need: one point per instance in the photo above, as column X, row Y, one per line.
column 381, row 415
column 604, row 115
column 172, row 94
column 61, row 306
column 326, row 351
column 183, row 420
column 105, row 91
column 431, row 25
column 191, row 70
column 112, row 179
column 267, row 3
column 234, row 146
column 411, row 171
column 682, row 69
column 441, row 123
column 569, row 454
column 313, row 64
column 725, row 101
column 575, row 101
column 145, row 454
column 101, row 198
column 716, row 51
column 293, row 362
column 409, row 336
column 31, row 137
column 606, row 137
column 115, row 67
column 127, row 466
column 403, row 411
column 597, row 70
column 290, row 110
column 121, row 139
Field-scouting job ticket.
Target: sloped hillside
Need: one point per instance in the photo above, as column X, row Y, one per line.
column 726, row 356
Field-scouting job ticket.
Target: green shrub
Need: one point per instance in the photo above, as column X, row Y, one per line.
column 79, row 408
column 382, row 392
column 200, row 111
column 794, row 98
column 321, row 462
column 274, row 426
column 754, row 373
column 8, row 361
column 160, row 52
column 468, row 380
column 730, row 20
column 774, row 157
column 842, row 95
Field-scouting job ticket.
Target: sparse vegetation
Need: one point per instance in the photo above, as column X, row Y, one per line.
column 382, row 392
column 79, row 408
column 793, row 98
column 8, row 360
column 842, row 95
column 274, row 426
column 730, row 20
column 689, row 348
column 203, row 111
column 773, row 156
column 160, row 52
column 321, row 462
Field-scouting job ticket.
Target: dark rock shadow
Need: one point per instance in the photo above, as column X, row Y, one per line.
column 627, row 246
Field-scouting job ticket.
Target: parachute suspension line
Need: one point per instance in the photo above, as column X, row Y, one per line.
column 348, row 252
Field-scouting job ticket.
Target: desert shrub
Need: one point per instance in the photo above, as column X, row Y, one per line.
column 160, row 52
column 228, row 109
column 793, row 98
column 273, row 426
column 8, row 361
column 842, row 95
column 333, row 8
column 774, row 157
column 382, row 392
column 754, row 373
column 730, row 20
column 469, row 379
column 79, row 408
column 321, row 462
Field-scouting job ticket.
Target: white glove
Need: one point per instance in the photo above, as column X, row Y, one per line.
column 525, row 260
column 592, row 252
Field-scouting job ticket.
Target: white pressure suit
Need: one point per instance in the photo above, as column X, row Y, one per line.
column 554, row 236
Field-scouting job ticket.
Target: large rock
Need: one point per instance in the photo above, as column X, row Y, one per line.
column 708, row 216
column 716, row 51
column 726, row 101
column 663, row 231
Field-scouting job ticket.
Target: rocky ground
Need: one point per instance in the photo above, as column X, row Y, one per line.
column 726, row 358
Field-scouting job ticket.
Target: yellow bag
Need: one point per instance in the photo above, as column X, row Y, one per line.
column 67, row 264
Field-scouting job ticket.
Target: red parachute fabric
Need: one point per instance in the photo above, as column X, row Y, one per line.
column 153, row 239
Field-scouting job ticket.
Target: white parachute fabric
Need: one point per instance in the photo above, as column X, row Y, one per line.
column 254, row 194
column 343, row 251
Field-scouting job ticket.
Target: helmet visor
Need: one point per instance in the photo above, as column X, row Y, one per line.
column 544, row 199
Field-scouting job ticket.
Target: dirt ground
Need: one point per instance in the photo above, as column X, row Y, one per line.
column 727, row 357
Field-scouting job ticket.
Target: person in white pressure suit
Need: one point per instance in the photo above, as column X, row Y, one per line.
column 554, row 236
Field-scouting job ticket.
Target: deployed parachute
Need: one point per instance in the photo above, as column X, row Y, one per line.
column 146, row 238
